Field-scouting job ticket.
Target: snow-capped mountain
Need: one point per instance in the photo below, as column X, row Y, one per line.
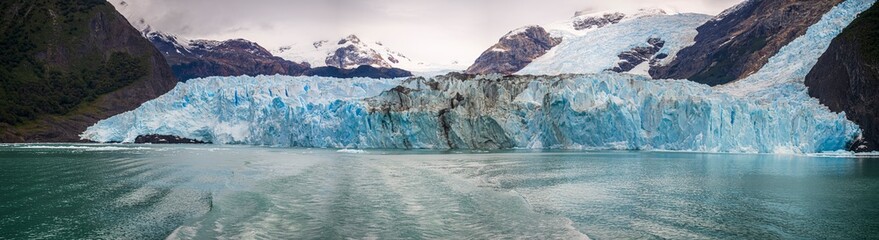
column 351, row 52
column 203, row 58
column 235, row 57
column 519, row 48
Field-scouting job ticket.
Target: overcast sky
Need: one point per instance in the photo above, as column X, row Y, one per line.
column 439, row 31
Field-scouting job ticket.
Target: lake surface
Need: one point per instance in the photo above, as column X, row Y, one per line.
column 238, row 192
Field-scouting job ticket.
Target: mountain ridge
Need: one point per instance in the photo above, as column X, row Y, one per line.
column 190, row 59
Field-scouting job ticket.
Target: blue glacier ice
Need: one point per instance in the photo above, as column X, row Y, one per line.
column 767, row 112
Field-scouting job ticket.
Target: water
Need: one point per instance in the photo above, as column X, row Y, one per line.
column 236, row 192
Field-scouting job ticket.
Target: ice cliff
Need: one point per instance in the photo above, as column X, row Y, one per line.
column 768, row 112
column 599, row 111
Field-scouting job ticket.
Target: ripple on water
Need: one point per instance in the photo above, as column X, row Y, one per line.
column 249, row 192
column 369, row 197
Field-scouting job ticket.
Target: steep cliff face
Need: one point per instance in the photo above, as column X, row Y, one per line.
column 64, row 65
column 846, row 77
column 234, row 57
column 741, row 40
column 514, row 51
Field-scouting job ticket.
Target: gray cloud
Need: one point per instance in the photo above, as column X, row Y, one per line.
column 430, row 30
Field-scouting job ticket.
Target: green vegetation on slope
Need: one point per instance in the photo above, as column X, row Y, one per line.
column 47, row 62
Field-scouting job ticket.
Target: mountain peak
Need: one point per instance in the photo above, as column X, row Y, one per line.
column 647, row 11
column 351, row 52
column 350, row 38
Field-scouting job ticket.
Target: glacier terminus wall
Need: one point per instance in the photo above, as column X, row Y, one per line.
column 597, row 111
column 769, row 112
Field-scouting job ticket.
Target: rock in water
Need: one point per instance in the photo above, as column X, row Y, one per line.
column 165, row 139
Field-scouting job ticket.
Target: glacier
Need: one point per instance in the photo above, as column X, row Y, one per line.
column 598, row 50
column 768, row 112
column 594, row 111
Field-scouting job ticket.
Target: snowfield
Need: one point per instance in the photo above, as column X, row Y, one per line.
column 597, row 50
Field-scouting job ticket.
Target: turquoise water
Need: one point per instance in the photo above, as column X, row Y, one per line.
column 236, row 192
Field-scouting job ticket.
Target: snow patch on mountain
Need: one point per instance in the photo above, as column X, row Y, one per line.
column 584, row 22
column 351, row 52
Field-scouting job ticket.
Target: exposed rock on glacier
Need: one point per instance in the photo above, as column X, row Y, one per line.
column 632, row 58
column 605, row 19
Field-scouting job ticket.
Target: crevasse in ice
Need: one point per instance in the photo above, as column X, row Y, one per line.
column 591, row 111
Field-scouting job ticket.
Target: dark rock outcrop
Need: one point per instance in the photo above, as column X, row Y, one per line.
column 514, row 51
column 630, row 59
column 846, row 77
column 362, row 71
column 166, row 139
column 741, row 40
column 235, row 57
column 64, row 65
column 598, row 22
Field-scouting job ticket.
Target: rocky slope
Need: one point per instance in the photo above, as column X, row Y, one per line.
column 846, row 77
column 236, row 57
column 514, row 51
column 64, row 65
column 740, row 40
